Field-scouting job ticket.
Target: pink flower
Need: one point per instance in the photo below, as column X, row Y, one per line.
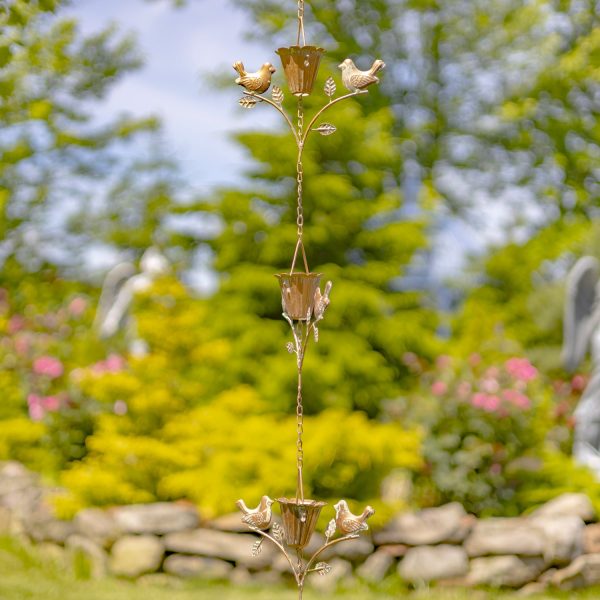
column 492, row 373
column 487, row 402
column 15, row 323
column 114, row 363
column 443, row 361
column 521, row 368
column 36, row 410
column 474, row 359
column 77, row 306
column 517, row 399
column 51, row 403
column 578, row 383
column 490, row 385
column 496, row 469
column 464, row 389
column 478, row 400
column 120, row 407
column 22, row 344
column 439, row 388
column 491, row 403
column 49, row 366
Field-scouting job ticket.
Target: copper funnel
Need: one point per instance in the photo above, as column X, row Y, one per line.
column 298, row 294
column 299, row 519
column 301, row 65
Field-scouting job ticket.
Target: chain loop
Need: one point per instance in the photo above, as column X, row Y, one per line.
column 300, row 432
column 300, row 173
column 301, row 23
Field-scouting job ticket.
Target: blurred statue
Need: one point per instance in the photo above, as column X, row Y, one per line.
column 582, row 330
column 120, row 286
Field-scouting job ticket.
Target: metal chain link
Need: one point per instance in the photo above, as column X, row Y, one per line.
column 300, row 230
column 300, row 432
column 301, row 23
column 300, row 173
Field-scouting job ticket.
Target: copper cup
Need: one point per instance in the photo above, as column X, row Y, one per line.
column 298, row 294
column 299, row 519
column 301, row 65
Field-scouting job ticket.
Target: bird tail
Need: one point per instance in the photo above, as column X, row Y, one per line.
column 368, row 512
column 239, row 67
column 377, row 66
column 242, row 506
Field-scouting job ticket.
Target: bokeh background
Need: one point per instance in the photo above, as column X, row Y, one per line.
column 447, row 209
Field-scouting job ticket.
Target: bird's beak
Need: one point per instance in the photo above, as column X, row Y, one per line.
column 341, row 66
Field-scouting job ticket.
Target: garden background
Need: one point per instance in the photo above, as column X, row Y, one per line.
column 430, row 383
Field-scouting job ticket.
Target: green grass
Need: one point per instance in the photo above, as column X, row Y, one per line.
column 25, row 574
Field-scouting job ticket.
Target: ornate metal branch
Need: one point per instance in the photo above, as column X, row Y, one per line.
column 303, row 303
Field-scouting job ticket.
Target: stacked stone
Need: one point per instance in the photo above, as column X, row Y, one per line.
column 558, row 545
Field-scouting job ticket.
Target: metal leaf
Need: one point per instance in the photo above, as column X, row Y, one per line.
column 277, row 532
column 330, row 87
column 277, row 95
column 323, row 568
column 326, row 129
column 247, row 102
column 257, row 547
column 330, row 529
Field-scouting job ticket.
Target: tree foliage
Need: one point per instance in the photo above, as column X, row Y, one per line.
column 69, row 180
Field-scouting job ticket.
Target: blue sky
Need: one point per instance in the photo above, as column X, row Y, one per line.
column 181, row 49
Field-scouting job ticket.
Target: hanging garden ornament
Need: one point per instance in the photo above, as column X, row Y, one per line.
column 303, row 302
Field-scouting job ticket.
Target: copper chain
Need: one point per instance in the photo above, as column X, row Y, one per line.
column 300, row 432
column 301, row 23
column 300, row 173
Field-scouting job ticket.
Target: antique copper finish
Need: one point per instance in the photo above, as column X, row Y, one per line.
column 299, row 518
column 301, row 65
column 303, row 303
column 298, row 294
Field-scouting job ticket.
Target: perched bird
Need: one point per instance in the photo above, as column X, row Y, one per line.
column 348, row 523
column 259, row 517
column 258, row 82
column 322, row 300
column 356, row 80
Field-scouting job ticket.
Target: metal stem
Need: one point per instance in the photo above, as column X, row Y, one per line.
column 276, row 107
column 326, row 107
column 284, row 552
column 328, row 545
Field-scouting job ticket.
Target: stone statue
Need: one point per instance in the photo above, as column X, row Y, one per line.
column 581, row 331
column 120, row 286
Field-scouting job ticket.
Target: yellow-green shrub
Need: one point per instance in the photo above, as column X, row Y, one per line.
column 233, row 447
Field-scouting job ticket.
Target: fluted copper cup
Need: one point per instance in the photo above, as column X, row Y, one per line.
column 298, row 294
column 301, row 65
column 299, row 519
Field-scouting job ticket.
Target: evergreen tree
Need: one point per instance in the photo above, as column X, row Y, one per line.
column 67, row 181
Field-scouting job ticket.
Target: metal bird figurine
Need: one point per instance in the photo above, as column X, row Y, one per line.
column 259, row 517
column 356, row 80
column 258, row 82
column 348, row 523
column 322, row 300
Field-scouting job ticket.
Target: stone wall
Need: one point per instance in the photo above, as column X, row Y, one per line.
column 558, row 545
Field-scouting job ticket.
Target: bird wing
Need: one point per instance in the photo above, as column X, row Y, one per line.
column 251, row 81
column 361, row 79
column 352, row 525
column 580, row 306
